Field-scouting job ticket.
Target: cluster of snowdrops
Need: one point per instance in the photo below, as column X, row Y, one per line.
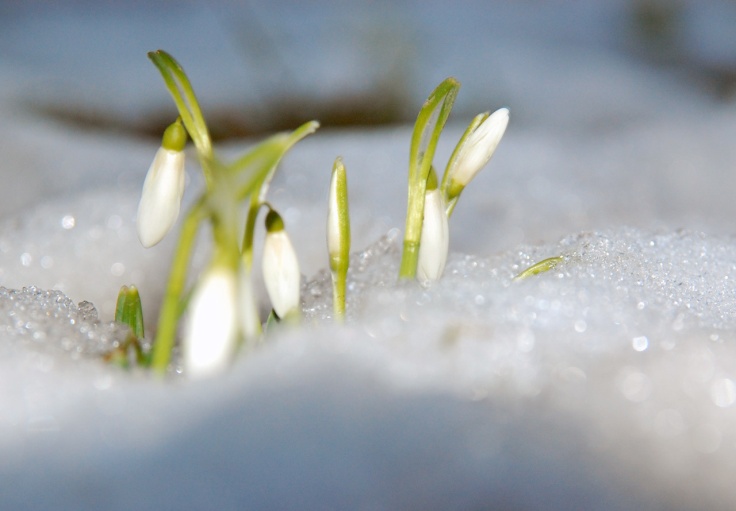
column 220, row 313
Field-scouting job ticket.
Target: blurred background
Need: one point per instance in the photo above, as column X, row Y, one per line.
column 81, row 105
column 261, row 66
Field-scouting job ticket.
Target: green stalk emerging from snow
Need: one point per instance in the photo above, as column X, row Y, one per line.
column 427, row 129
column 223, row 296
column 338, row 236
column 221, row 309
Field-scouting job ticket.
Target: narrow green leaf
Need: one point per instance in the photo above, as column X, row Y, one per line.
column 427, row 129
column 186, row 102
column 129, row 311
column 540, row 267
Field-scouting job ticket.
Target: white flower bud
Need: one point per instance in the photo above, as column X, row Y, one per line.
column 338, row 219
column 435, row 240
column 280, row 268
column 476, row 149
column 161, row 198
column 211, row 332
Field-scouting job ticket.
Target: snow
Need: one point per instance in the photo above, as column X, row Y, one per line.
column 606, row 383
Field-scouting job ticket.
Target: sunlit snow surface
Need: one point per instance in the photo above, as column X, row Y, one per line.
column 608, row 382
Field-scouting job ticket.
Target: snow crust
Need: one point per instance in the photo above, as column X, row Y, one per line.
column 608, row 379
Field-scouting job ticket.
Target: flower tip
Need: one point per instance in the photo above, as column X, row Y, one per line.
column 313, row 126
column 148, row 237
column 499, row 120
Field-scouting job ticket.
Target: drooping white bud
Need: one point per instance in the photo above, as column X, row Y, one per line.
column 211, row 332
column 280, row 268
column 435, row 240
column 163, row 187
column 474, row 150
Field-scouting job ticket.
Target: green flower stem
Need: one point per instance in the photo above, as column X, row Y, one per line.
column 249, row 232
column 290, row 139
column 450, row 206
column 171, row 308
column 227, row 185
column 338, row 236
column 339, row 285
column 429, row 124
column 186, row 102
column 258, row 167
column 121, row 355
column 409, row 260
column 223, row 204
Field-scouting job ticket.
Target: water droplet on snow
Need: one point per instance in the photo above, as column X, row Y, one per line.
column 723, row 392
column 47, row 262
column 117, row 269
column 640, row 343
column 525, row 341
column 634, row 385
column 68, row 222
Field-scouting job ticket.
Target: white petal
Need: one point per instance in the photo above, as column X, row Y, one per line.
column 281, row 273
column 435, row 240
column 161, row 198
column 212, row 326
column 480, row 146
column 333, row 219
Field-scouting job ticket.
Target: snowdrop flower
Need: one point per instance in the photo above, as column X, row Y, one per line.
column 211, row 332
column 163, row 188
column 280, row 268
column 474, row 150
column 435, row 240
